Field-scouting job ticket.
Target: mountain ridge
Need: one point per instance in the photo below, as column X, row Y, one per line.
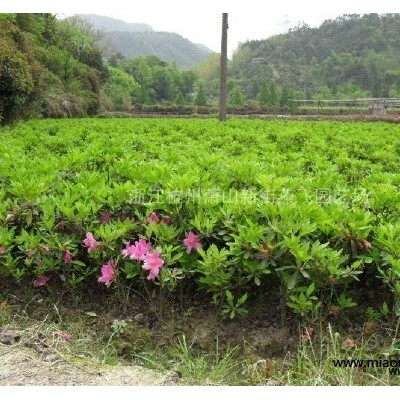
column 130, row 41
column 109, row 24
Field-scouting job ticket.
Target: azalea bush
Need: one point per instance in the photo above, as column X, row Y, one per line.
column 310, row 208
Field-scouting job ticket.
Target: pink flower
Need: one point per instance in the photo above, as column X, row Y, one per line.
column 153, row 218
column 107, row 273
column 153, row 262
column 1, row 249
column 192, row 242
column 46, row 249
column 90, row 242
column 137, row 251
column 128, row 249
column 166, row 220
column 67, row 337
column 68, row 257
column 105, row 217
column 40, row 281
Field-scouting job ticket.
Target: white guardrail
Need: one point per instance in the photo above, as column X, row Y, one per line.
column 392, row 102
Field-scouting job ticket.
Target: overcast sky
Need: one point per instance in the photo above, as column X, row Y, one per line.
column 200, row 21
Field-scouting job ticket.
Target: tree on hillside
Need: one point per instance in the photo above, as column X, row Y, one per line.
column 142, row 72
column 236, row 97
column 179, row 99
column 209, row 69
column 286, row 100
column 267, row 96
column 122, row 89
column 188, row 79
column 159, row 81
column 273, row 96
column 16, row 75
column 74, row 44
column 201, row 99
column 32, row 23
column 263, row 95
column 163, row 84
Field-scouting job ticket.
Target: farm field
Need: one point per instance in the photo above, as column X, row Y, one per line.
column 301, row 202
column 176, row 209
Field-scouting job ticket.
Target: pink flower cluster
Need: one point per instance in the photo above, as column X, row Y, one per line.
column 153, row 263
column 107, row 273
column 156, row 219
column 137, row 251
column 141, row 250
column 192, row 242
column 105, row 217
column 153, row 218
column 68, row 257
column 41, row 281
column 90, row 242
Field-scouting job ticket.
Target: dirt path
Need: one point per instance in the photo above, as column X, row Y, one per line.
column 23, row 366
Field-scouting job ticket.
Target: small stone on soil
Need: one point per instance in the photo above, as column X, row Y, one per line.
column 139, row 317
column 9, row 337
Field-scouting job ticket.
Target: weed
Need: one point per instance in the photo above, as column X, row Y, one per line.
column 218, row 368
column 314, row 363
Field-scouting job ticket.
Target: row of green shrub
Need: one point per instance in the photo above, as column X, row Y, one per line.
column 309, row 209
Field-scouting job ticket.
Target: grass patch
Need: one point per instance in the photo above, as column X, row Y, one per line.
column 313, row 363
column 220, row 367
column 86, row 338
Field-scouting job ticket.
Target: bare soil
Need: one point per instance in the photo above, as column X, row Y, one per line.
column 28, row 362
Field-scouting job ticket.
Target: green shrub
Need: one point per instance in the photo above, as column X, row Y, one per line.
column 229, row 210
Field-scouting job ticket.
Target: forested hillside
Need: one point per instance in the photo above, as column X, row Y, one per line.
column 48, row 68
column 56, row 68
column 351, row 56
column 133, row 40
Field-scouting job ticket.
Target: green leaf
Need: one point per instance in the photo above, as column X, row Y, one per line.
column 242, row 299
column 293, row 280
column 285, row 268
column 397, row 307
column 29, row 217
column 229, row 296
column 91, row 314
column 310, row 289
column 80, row 263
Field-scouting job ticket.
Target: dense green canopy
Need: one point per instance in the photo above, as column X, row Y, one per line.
column 351, row 56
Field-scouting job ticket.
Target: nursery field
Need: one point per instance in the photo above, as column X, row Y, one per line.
column 228, row 210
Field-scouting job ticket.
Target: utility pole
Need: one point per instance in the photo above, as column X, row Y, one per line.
column 224, row 68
